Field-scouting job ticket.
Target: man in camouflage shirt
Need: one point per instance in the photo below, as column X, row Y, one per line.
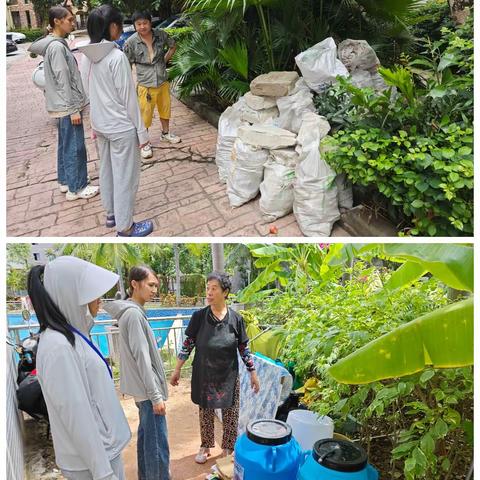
column 146, row 50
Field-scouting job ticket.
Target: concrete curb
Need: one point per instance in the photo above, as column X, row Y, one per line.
column 201, row 108
column 362, row 222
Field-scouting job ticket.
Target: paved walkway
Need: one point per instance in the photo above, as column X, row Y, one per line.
column 179, row 187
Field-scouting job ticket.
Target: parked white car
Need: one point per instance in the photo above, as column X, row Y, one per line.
column 17, row 37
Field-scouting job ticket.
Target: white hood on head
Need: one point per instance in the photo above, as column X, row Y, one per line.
column 73, row 283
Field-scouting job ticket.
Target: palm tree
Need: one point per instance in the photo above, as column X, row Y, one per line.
column 218, row 257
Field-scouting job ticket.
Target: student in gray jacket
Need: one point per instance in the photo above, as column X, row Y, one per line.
column 65, row 100
column 116, row 120
column 142, row 374
column 89, row 428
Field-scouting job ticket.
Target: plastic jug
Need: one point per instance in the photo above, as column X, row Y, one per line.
column 333, row 459
column 267, row 451
column 308, row 427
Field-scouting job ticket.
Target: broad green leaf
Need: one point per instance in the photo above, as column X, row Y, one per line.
column 450, row 263
column 442, row 338
column 405, row 275
column 267, row 276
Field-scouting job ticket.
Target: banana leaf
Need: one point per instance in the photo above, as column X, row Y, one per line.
column 442, row 338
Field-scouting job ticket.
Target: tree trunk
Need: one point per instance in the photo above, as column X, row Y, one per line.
column 178, row 274
column 218, row 257
column 459, row 10
column 119, row 268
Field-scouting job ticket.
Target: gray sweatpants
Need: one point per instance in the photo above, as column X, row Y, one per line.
column 119, row 174
column 117, row 467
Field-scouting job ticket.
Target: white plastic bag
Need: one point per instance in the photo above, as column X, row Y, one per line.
column 315, row 191
column 357, row 55
column 228, row 125
column 345, row 193
column 292, row 108
column 276, row 190
column 246, row 172
column 320, row 66
column 365, row 78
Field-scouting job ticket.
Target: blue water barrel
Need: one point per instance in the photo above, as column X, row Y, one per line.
column 267, row 451
column 333, row 459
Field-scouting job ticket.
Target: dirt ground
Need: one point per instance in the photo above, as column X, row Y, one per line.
column 183, row 434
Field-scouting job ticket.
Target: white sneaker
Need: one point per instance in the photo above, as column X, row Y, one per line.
column 170, row 137
column 202, row 455
column 88, row 192
column 64, row 188
column 146, row 151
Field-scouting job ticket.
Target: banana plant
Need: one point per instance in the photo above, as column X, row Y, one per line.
column 442, row 338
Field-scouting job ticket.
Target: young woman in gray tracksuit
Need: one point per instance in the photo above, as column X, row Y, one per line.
column 116, row 120
column 142, row 374
column 65, row 99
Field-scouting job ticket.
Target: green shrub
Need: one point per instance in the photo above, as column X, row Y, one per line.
column 192, row 285
column 412, row 142
column 425, row 415
column 32, row 34
column 430, row 177
column 180, row 34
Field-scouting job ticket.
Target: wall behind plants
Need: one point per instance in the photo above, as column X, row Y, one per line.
column 418, row 418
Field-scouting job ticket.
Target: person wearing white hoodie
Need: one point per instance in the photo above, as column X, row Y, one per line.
column 89, row 428
column 116, row 120
column 142, row 374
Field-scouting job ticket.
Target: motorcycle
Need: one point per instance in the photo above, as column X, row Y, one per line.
column 29, row 393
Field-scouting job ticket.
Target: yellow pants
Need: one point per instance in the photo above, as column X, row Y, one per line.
column 159, row 97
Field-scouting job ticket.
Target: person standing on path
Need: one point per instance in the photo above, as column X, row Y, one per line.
column 88, row 425
column 142, row 374
column 116, row 120
column 146, row 50
column 65, row 99
column 216, row 332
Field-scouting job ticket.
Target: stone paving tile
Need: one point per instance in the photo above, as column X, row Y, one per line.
column 179, row 187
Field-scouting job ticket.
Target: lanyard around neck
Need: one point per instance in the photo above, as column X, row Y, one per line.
column 94, row 348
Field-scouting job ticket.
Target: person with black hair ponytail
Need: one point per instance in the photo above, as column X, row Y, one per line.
column 116, row 120
column 89, row 428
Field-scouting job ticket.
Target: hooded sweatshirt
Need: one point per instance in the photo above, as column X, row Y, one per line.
column 64, row 93
column 142, row 374
column 89, row 428
column 107, row 78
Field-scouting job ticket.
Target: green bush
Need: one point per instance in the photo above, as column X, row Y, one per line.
column 193, row 285
column 180, row 34
column 430, row 177
column 413, row 142
column 424, row 416
column 32, row 34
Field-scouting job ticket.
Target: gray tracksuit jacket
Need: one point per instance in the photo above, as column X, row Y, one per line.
column 64, row 90
column 141, row 373
column 107, row 78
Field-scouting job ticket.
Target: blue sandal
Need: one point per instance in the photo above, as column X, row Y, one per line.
column 139, row 229
column 110, row 223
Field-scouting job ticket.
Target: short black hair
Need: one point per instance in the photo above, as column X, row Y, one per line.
column 141, row 15
column 99, row 21
column 223, row 280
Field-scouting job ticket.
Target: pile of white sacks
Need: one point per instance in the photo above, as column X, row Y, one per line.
column 269, row 141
